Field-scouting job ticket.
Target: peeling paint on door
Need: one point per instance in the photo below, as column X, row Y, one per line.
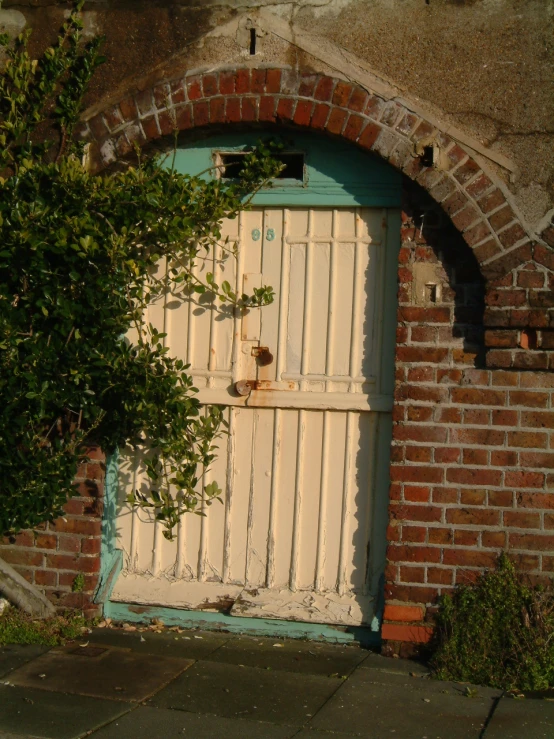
column 303, row 464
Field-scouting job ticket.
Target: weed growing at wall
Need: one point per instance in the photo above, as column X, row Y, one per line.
column 497, row 632
column 17, row 627
column 81, row 257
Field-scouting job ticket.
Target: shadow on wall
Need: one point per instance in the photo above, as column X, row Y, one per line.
column 431, row 237
column 453, row 336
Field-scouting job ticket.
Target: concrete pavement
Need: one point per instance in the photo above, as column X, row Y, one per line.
column 118, row 684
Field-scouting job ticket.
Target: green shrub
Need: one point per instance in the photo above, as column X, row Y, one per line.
column 82, row 256
column 498, row 631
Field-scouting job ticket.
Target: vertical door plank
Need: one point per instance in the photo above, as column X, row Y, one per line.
column 286, row 501
column 309, row 461
column 260, row 499
column 244, row 427
column 333, row 507
column 271, row 275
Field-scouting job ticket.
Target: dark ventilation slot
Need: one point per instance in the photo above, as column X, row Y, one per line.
column 252, row 41
column 428, row 156
column 293, row 169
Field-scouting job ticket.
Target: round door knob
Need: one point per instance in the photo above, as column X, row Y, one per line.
column 243, row 387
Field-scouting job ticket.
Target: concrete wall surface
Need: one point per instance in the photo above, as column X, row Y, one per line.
column 484, row 66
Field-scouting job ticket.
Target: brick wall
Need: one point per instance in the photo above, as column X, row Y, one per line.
column 52, row 555
column 472, row 471
column 472, row 467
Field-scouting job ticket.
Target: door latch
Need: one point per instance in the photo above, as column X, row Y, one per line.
column 263, row 355
column 243, row 387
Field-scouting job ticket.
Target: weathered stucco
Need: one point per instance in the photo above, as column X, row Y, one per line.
column 488, row 64
column 485, row 66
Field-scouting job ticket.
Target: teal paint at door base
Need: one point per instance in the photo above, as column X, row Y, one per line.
column 111, row 558
column 209, row 621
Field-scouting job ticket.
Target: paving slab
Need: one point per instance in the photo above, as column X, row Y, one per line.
column 521, row 719
column 374, row 661
column 308, row 733
column 377, row 703
column 102, row 672
column 16, row 655
column 190, row 645
column 247, row 692
column 146, row 723
column 293, row 656
column 421, row 681
column 30, row 713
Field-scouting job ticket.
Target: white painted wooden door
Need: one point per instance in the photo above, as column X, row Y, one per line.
column 301, row 532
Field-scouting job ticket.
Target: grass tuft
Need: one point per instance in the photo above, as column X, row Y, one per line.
column 17, row 627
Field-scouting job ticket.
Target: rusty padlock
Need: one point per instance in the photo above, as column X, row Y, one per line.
column 263, row 355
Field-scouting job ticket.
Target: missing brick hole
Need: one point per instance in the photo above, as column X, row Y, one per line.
column 528, row 339
column 252, row 41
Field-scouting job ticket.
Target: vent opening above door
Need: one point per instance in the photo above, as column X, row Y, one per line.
column 318, row 173
column 232, row 162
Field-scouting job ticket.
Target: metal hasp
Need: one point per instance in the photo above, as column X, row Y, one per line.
column 263, row 356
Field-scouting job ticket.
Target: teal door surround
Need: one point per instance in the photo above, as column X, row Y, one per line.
column 335, row 174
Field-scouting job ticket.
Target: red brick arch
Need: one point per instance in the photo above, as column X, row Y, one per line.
column 473, row 198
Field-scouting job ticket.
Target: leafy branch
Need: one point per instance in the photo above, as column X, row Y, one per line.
column 80, row 257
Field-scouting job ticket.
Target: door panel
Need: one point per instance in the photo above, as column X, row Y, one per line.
column 303, row 467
